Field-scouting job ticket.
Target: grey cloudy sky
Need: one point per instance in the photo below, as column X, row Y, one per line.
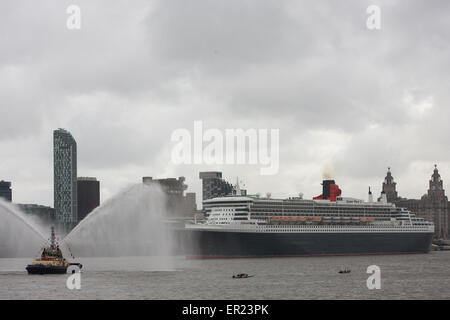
column 359, row 99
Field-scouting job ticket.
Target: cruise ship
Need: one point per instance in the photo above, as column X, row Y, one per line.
column 250, row 226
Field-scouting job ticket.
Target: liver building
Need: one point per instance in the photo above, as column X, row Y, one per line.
column 433, row 206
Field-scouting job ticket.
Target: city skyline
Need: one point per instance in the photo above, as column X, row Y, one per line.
column 69, row 210
column 326, row 170
column 376, row 188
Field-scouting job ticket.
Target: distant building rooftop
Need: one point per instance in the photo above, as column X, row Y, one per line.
column 87, row 179
column 210, row 174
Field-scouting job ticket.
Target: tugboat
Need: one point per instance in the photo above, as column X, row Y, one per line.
column 51, row 260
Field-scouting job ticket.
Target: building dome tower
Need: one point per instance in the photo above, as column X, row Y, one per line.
column 436, row 188
column 389, row 187
column 435, row 205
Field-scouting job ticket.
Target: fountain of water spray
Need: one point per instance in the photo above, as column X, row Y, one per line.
column 129, row 224
column 20, row 236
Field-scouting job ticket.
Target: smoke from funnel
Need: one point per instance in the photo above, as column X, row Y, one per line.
column 328, row 170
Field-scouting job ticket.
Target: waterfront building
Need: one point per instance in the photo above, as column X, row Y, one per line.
column 178, row 204
column 213, row 186
column 432, row 206
column 389, row 187
column 88, row 196
column 44, row 213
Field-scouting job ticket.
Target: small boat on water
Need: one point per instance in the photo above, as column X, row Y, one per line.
column 241, row 276
column 345, row 271
column 51, row 260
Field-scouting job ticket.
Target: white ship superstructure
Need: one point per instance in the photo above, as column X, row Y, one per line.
column 298, row 215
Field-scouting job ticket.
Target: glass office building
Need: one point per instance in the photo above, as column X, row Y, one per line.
column 65, row 178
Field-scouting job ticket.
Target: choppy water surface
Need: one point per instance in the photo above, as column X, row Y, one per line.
column 422, row 276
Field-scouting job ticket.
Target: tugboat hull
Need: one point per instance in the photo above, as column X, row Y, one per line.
column 42, row 269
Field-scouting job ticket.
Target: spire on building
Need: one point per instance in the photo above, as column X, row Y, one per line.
column 389, row 178
column 435, row 204
column 237, row 187
column 436, row 185
column 389, row 186
column 436, row 177
column 370, row 198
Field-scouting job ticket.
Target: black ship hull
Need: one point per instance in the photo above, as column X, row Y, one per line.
column 43, row 269
column 234, row 244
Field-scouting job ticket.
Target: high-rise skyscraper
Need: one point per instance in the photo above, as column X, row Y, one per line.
column 88, row 196
column 65, row 178
column 5, row 190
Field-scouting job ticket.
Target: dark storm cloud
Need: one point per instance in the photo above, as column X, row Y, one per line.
column 138, row 70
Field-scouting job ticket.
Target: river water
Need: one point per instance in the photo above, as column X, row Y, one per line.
column 416, row 276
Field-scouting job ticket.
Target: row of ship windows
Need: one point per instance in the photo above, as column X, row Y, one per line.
column 272, row 205
column 268, row 214
column 243, row 214
column 334, row 208
column 406, row 230
column 234, row 209
column 216, row 214
column 336, row 227
column 321, row 210
column 316, row 212
column 344, row 230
